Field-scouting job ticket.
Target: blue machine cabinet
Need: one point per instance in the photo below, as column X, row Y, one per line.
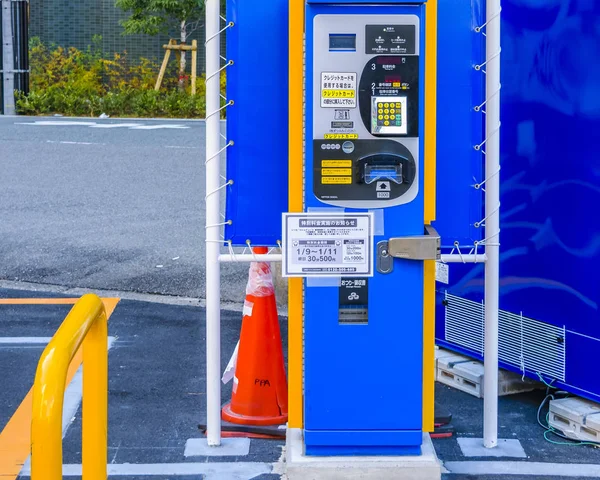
column 550, row 241
column 364, row 151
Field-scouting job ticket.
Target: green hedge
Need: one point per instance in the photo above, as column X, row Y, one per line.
column 84, row 83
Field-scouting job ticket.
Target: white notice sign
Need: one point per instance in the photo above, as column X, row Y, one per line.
column 442, row 272
column 338, row 90
column 327, row 245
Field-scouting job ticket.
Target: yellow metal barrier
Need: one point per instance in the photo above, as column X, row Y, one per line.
column 86, row 324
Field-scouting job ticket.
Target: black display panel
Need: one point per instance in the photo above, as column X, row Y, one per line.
column 390, row 39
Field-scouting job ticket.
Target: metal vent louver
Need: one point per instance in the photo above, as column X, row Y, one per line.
column 529, row 345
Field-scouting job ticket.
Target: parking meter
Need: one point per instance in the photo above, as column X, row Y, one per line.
column 364, row 118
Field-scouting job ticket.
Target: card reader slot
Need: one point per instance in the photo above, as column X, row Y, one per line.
column 383, row 167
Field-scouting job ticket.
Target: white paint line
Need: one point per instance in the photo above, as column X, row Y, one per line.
column 74, row 143
column 24, row 340
column 181, row 147
column 156, row 119
column 209, row 471
column 54, row 123
column 157, row 127
column 473, row 447
column 230, row 447
column 116, row 125
column 536, row 469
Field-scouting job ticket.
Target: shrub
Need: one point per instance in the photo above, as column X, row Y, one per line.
column 85, row 83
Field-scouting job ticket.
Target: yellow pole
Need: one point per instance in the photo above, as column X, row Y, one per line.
column 95, row 407
column 46, row 425
column 430, row 201
column 296, row 204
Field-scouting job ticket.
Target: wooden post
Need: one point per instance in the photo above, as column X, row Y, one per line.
column 163, row 67
column 194, row 64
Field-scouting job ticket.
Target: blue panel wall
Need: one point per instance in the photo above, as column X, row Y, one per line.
column 459, row 127
column 258, row 121
column 550, row 183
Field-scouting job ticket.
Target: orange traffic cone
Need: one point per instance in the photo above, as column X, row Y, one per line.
column 259, row 386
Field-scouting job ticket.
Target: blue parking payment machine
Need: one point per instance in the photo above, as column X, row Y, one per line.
column 363, row 338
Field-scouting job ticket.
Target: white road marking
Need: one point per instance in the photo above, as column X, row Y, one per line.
column 130, row 126
column 536, row 469
column 74, row 143
column 157, row 127
column 209, row 471
column 115, row 125
column 180, row 147
column 53, row 123
column 24, row 340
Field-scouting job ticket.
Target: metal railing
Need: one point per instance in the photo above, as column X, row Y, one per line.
column 85, row 324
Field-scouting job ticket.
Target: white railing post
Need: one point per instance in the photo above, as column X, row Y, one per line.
column 492, row 223
column 213, row 225
column 8, row 61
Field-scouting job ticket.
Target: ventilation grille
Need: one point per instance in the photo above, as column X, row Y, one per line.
column 529, row 345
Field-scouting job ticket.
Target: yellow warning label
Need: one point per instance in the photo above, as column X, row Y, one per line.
column 336, row 163
column 338, row 93
column 341, row 136
column 336, row 171
column 336, row 180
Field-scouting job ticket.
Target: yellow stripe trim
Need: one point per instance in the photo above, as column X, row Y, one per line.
column 430, row 205
column 296, row 204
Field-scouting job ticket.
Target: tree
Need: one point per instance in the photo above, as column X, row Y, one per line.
column 164, row 16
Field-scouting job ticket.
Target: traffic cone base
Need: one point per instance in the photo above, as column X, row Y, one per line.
column 230, row 416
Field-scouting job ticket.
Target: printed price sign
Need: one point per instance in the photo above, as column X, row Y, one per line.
column 321, row 245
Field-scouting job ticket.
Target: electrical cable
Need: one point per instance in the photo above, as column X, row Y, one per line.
column 551, row 430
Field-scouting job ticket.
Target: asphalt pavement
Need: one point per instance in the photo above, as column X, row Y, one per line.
column 106, row 204
column 157, row 399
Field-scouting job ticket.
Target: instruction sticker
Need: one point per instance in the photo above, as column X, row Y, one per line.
column 336, row 163
column 322, row 245
column 336, row 180
column 340, row 136
column 338, row 89
column 336, row 171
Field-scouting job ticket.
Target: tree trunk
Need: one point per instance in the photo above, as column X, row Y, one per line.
column 182, row 62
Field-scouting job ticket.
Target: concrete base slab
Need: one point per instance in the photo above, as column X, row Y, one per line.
column 230, row 447
column 302, row 467
column 473, row 447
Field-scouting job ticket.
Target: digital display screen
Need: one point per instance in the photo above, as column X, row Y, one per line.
column 390, row 60
column 342, row 42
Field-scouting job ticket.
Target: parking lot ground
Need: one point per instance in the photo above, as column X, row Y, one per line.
column 157, row 392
